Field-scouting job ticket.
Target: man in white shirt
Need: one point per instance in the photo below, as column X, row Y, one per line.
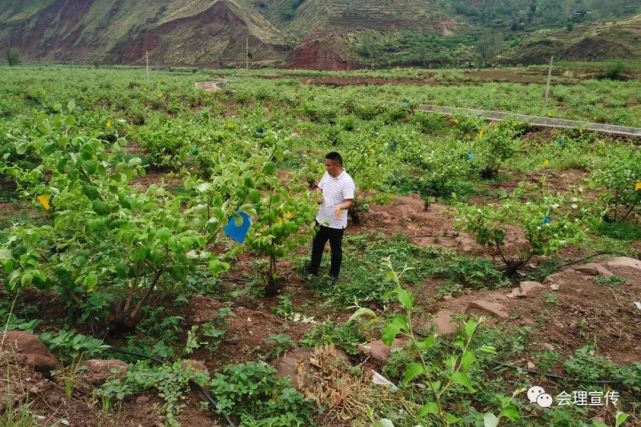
column 338, row 196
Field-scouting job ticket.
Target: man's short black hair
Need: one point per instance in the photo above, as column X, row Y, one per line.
column 334, row 156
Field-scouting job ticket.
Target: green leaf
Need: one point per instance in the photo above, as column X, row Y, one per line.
column 5, row 254
column 453, row 419
column 100, row 207
column 70, row 121
column 490, row 420
column 90, row 166
column 430, row 408
column 384, row 422
column 363, row 311
column 413, row 371
column 463, row 379
column 621, row 418
column 467, row 360
column 511, row 412
column 488, row 349
column 140, row 254
column 269, row 169
column 254, row 196
column 22, row 147
column 470, row 327
column 406, row 299
column 91, row 280
column 26, row 279
column 90, row 191
column 397, row 324
column 122, row 270
column 216, row 266
column 163, row 234
column 204, row 187
column 425, row 344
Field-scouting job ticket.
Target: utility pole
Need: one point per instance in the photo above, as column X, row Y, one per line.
column 547, row 89
column 147, row 62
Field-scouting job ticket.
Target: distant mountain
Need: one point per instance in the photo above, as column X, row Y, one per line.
column 330, row 34
column 610, row 40
column 118, row 31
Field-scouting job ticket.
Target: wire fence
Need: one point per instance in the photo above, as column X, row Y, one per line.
column 545, row 122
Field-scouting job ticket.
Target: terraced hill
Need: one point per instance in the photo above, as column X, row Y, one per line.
column 117, row 31
column 334, row 34
column 611, row 40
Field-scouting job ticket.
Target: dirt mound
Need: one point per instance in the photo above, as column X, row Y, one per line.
column 28, row 350
column 246, row 331
column 571, row 310
column 21, row 385
column 432, row 227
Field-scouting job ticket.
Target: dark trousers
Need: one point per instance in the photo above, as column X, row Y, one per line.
column 335, row 237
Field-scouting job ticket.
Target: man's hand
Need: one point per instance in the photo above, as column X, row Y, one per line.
column 347, row 204
column 337, row 213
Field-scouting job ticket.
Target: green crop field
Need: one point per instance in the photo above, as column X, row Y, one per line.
column 116, row 188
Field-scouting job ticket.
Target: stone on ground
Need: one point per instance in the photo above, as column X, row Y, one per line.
column 486, row 307
column 594, row 269
column 624, row 266
column 380, row 352
column 99, row 371
column 445, row 323
column 528, row 288
column 29, row 351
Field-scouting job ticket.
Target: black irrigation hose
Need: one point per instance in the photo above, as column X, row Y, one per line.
column 132, row 353
column 579, row 260
column 545, row 374
column 557, row 377
column 553, row 376
column 200, row 388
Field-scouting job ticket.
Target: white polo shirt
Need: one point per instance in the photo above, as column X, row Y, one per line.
column 335, row 191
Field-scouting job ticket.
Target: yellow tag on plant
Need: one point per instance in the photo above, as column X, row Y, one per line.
column 481, row 133
column 108, row 124
column 44, row 201
column 546, row 162
column 637, row 186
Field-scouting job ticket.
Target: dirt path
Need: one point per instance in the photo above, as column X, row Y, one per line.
column 212, row 86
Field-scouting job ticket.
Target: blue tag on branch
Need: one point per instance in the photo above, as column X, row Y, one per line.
column 394, row 145
column 469, row 156
column 238, row 232
column 547, row 219
column 561, row 143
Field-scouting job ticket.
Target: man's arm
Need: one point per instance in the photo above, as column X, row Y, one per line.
column 318, row 190
column 347, row 204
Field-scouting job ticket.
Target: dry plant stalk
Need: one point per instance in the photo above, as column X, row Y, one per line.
column 347, row 393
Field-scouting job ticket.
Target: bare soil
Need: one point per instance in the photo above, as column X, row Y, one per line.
column 581, row 312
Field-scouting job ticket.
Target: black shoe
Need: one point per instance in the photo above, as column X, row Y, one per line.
column 333, row 280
